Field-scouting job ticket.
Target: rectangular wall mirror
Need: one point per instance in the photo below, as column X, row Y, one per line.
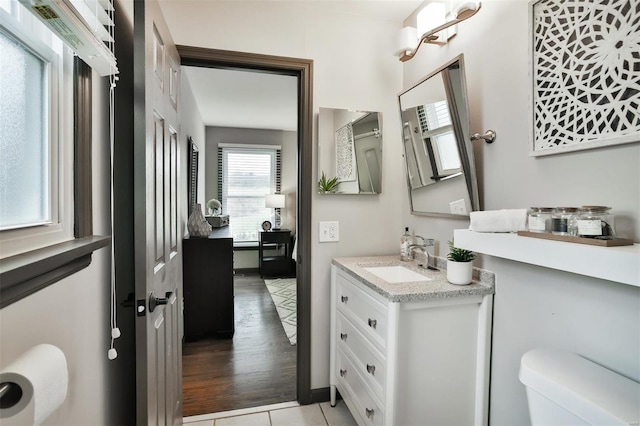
column 192, row 166
column 349, row 152
column 440, row 167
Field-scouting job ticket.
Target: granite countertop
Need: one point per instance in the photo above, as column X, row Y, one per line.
column 412, row 291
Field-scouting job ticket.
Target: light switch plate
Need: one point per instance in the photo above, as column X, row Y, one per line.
column 458, row 207
column 329, row 232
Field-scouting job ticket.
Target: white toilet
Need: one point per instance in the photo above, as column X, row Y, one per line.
column 566, row 389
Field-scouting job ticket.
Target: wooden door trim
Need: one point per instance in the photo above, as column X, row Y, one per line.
column 303, row 69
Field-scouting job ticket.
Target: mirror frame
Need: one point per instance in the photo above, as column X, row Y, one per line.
column 461, row 132
column 381, row 143
column 192, row 181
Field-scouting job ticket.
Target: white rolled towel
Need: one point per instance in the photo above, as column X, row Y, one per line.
column 506, row 220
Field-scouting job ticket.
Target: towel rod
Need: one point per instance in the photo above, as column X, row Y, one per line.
column 373, row 132
column 10, row 394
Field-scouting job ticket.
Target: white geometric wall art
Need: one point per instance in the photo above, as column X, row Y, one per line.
column 345, row 154
column 585, row 69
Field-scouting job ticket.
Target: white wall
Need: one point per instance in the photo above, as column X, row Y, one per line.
column 354, row 68
column 73, row 314
column 191, row 125
column 495, row 46
column 287, row 140
column 534, row 306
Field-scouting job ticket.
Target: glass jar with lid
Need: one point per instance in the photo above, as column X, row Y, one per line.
column 539, row 219
column 564, row 221
column 596, row 222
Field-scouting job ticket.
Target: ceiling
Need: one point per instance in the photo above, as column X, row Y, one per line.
column 233, row 98
column 245, row 99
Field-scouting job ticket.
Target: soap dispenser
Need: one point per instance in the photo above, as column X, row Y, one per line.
column 405, row 242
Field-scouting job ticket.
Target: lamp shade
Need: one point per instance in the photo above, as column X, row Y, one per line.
column 407, row 40
column 274, row 201
column 430, row 17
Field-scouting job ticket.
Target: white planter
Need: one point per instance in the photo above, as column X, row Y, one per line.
column 459, row 273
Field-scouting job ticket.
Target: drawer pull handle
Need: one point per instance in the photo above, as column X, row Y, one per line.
column 369, row 412
column 343, row 372
column 344, row 299
column 372, row 323
column 371, row 369
column 343, row 336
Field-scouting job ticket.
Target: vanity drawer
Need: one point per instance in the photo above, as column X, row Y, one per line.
column 369, row 361
column 350, row 381
column 369, row 315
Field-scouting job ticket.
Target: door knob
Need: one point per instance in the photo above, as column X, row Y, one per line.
column 157, row 301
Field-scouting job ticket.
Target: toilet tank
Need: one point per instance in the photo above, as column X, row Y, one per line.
column 566, row 389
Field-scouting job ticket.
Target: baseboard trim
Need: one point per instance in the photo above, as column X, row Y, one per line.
column 242, row 271
column 320, row 395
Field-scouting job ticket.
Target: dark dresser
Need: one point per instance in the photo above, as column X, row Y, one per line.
column 207, row 271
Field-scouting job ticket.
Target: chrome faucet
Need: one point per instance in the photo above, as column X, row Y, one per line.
column 426, row 242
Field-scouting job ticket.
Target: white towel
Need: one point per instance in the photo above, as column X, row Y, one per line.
column 513, row 220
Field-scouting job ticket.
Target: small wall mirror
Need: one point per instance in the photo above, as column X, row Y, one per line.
column 349, row 152
column 440, row 166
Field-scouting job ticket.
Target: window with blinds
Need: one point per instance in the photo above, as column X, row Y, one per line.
column 246, row 174
column 435, row 122
column 85, row 26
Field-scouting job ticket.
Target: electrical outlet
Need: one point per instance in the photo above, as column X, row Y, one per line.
column 458, row 207
column 329, row 232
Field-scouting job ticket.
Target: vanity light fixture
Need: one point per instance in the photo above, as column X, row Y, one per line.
column 406, row 52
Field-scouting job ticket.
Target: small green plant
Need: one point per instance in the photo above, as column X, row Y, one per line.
column 459, row 255
column 327, row 185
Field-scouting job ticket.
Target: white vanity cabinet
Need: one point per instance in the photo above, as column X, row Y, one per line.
column 409, row 358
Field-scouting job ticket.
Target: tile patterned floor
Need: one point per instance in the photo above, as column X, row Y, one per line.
column 285, row 414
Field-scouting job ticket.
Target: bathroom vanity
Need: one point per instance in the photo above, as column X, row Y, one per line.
column 406, row 346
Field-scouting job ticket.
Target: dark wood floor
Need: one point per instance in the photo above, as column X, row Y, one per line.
column 257, row 367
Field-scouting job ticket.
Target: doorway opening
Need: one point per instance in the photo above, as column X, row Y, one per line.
column 246, row 285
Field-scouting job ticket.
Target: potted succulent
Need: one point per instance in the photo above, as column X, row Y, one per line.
column 459, row 265
column 327, row 186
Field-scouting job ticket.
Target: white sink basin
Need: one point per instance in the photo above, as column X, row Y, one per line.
column 396, row 274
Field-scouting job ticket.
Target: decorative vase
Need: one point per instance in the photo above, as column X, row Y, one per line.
column 197, row 225
column 459, row 273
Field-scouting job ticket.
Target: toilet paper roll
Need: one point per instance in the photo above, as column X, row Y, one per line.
column 38, row 382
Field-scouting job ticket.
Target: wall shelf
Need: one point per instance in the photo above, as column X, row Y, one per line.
column 618, row 264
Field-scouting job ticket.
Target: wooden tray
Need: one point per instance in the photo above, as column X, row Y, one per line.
column 616, row 242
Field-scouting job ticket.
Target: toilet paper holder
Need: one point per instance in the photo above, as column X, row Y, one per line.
column 10, row 394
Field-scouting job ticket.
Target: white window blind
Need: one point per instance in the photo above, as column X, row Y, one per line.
column 434, row 116
column 86, row 26
column 245, row 176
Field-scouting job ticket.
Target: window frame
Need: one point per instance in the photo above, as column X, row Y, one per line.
column 430, row 137
column 24, row 274
column 276, row 174
column 58, row 227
